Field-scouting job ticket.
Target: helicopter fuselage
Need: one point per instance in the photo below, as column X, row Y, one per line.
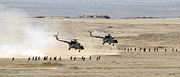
column 76, row 46
column 109, row 40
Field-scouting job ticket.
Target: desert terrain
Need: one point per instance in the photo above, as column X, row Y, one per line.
column 115, row 61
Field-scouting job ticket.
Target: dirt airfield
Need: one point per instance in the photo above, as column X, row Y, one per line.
column 115, row 61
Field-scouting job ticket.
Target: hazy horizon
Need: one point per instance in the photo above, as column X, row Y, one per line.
column 113, row 8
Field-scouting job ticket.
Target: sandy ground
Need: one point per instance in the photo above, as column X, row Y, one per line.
column 127, row 64
column 115, row 62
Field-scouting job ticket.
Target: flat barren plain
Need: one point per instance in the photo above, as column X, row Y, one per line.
column 116, row 61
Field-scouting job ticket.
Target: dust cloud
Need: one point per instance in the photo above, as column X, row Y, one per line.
column 20, row 36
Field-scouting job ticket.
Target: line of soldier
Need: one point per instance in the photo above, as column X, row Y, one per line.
column 83, row 58
column 34, row 58
column 148, row 49
column 45, row 58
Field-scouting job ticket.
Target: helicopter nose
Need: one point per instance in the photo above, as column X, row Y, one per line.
column 81, row 47
column 115, row 41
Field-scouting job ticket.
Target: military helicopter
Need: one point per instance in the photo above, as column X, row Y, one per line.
column 106, row 39
column 72, row 44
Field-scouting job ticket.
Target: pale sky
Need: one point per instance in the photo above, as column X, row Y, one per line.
column 114, row 8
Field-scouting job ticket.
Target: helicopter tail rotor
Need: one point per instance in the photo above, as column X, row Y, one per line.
column 90, row 32
column 56, row 36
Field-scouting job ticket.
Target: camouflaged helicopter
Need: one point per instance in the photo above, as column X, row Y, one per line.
column 106, row 39
column 72, row 44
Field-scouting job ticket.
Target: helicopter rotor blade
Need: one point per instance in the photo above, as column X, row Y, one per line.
column 101, row 32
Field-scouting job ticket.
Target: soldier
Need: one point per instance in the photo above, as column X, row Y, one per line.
column 74, row 58
column 130, row 49
column 165, row 50
column 90, row 58
column 97, row 58
column 157, row 49
column 38, row 58
column 50, row 58
column 71, row 58
column 140, row 49
column 32, row 58
column 172, row 49
column 55, row 58
column 144, row 49
column 44, row 58
column 84, row 58
column 13, row 59
column 134, row 49
column 149, row 49
column 124, row 49
column 176, row 50
column 60, row 58
column 154, row 49
column 29, row 58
